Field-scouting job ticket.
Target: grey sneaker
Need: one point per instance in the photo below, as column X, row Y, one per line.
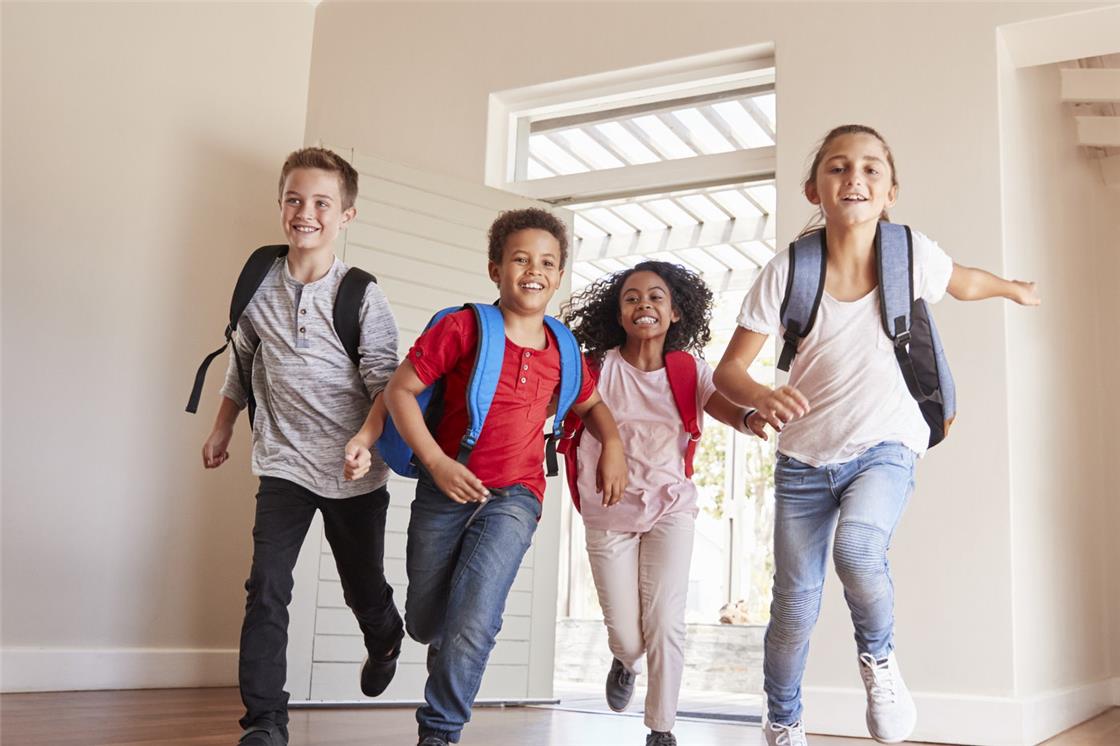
column 620, row 686
column 776, row 734
column 661, row 738
column 891, row 714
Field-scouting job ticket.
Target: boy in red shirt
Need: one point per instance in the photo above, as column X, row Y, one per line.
column 472, row 523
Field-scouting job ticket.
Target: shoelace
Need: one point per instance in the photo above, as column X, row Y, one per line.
column 879, row 677
column 789, row 735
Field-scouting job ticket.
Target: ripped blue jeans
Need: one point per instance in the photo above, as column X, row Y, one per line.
column 861, row 502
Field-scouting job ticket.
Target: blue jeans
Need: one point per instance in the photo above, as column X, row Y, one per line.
column 863, row 500
column 461, row 560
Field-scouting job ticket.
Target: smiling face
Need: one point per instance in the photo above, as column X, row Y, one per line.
column 529, row 273
column 645, row 306
column 854, row 182
column 311, row 211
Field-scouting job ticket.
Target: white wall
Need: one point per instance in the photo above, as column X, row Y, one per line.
column 1057, row 211
column 142, row 144
column 411, row 83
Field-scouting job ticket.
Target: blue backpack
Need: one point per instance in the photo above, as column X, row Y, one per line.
column 907, row 322
column 481, row 387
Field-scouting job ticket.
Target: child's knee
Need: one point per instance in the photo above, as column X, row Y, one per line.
column 860, row 554
column 273, row 583
column 793, row 615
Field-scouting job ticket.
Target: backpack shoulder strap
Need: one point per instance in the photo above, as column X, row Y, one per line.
column 894, row 252
column 570, row 439
column 680, row 368
column 256, row 268
column 571, row 381
column 348, row 309
column 571, row 369
column 804, row 288
column 489, row 354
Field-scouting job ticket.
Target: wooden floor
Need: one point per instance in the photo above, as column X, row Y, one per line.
column 204, row 717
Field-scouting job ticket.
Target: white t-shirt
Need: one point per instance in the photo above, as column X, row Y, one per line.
column 846, row 366
column 654, row 440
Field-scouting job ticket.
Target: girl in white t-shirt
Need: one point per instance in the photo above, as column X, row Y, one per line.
column 640, row 547
column 850, row 431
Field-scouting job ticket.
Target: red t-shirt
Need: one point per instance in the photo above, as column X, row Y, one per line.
column 510, row 449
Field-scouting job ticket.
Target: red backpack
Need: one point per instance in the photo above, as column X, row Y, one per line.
column 680, row 367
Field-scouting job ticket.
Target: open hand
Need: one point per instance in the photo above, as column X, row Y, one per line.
column 1025, row 293
column 783, row 405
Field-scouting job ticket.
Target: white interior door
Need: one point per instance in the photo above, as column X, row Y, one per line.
column 424, row 237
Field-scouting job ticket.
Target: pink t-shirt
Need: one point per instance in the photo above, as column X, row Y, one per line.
column 655, row 441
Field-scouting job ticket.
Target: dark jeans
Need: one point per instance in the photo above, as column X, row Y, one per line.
column 462, row 561
column 355, row 529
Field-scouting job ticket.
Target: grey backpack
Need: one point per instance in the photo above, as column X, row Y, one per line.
column 907, row 322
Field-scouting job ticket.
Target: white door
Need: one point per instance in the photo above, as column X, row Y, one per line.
column 424, row 237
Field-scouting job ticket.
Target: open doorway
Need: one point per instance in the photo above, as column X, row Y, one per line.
column 679, row 171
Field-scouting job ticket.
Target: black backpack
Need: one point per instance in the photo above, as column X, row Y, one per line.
column 347, row 305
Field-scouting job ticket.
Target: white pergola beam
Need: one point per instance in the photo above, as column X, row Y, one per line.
column 1091, row 85
column 718, row 168
column 1101, row 132
column 700, row 236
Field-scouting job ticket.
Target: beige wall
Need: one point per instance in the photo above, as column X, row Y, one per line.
column 141, row 143
column 925, row 75
column 1113, row 239
column 1057, row 215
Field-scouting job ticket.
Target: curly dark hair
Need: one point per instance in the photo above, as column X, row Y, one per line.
column 512, row 221
column 592, row 314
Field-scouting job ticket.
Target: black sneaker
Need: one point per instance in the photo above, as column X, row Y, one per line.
column 432, row 740
column 377, row 673
column 661, row 738
column 263, row 734
column 620, row 686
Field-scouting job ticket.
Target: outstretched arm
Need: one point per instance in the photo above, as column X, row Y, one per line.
column 970, row 283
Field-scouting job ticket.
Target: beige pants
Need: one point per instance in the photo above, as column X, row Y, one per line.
column 642, row 579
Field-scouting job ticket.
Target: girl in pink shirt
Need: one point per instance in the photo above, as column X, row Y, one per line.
column 640, row 546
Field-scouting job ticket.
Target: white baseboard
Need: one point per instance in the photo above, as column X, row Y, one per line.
column 1049, row 714
column 69, row 669
column 942, row 718
column 956, row 719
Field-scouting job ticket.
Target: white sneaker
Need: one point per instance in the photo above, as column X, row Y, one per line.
column 775, row 734
column 891, row 714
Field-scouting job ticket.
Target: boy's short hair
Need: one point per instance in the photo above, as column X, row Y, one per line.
column 325, row 160
column 512, row 221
